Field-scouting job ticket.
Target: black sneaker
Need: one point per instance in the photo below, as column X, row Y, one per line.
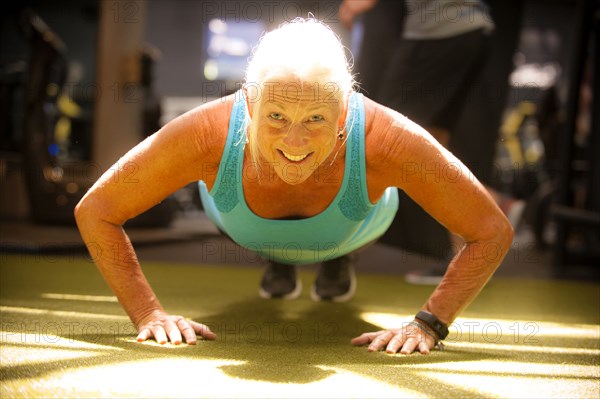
column 336, row 280
column 280, row 281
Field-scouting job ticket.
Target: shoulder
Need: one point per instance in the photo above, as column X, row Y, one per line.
column 387, row 133
column 194, row 140
column 209, row 122
column 164, row 162
column 393, row 143
column 204, row 130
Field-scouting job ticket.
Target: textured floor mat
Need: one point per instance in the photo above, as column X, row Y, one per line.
column 64, row 335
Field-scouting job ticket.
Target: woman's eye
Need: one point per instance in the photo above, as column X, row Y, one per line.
column 315, row 118
column 276, row 116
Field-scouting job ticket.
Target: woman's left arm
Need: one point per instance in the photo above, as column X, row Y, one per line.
column 404, row 155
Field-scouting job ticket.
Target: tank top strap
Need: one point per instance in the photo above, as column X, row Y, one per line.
column 229, row 177
column 354, row 202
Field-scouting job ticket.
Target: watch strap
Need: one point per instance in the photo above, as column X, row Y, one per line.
column 434, row 323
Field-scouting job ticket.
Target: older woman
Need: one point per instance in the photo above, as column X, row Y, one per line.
column 302, row 169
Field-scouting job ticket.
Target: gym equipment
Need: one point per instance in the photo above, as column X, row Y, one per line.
column 53, row 188
column 56, row 183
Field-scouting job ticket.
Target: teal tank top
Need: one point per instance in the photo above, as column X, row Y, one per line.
column 348, row 223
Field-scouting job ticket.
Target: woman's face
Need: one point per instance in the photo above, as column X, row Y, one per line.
column 297, row 127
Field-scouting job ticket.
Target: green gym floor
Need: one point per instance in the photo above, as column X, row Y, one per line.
column 64, row 335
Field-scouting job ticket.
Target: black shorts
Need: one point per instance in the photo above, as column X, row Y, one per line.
column 428, row 80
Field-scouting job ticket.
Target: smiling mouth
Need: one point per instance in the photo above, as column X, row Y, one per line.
column 295, row 158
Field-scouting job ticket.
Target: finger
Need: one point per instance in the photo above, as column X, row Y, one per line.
column 362, row 339
column 144, row 335
column 173, row 332
column 187, row 331
column 203, row 330
column 380, row 341
column 424, row 348
column 159, row 334
column 365, row 338
column 395, row 344
column 409, row 346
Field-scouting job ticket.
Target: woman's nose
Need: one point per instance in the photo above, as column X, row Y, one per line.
column 297, row 136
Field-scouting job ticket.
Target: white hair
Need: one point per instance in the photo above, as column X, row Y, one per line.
column 304, row 48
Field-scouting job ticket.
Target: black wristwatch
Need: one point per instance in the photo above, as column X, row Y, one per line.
column 436, row 325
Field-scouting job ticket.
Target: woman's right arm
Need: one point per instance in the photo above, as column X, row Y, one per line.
column 185, row 150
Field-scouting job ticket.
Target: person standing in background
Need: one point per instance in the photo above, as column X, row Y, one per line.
column 447, row 69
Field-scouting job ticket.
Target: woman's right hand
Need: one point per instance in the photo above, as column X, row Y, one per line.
column 164, row 327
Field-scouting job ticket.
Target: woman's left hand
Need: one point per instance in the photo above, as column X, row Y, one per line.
column 406, row 340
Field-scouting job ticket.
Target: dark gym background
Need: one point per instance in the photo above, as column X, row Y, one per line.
column 84, row 81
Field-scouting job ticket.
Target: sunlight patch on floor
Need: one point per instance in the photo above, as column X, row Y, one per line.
column 186, row 377
column 549, row 350
column 73, row 297
column 17, row 348
column 44, row 339
column 60, row 313
column 19, row 356
column 523, row 369
column 525, row 331
column 519, row 386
